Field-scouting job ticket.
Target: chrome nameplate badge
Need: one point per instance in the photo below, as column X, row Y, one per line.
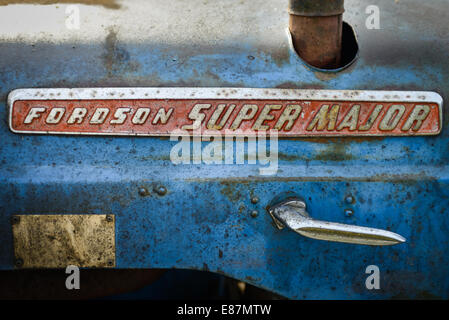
column 162, row 111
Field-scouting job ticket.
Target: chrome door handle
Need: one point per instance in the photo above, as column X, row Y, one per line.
column 292, row 213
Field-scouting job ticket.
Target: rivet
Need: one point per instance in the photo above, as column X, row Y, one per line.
column 255, row 199
column 18, row 262
column 110, row 262
column 160, row 190
column 254, row 213
column 109, row 218
column 349, row 199
column 15, row 219
column 143, row 191
column 349, row 212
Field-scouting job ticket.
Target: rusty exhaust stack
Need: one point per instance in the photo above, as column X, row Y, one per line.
column 316, row 29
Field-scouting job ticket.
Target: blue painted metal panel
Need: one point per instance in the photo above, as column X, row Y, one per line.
column 203, row 222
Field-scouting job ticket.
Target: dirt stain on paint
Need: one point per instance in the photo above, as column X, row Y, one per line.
column 109, row 4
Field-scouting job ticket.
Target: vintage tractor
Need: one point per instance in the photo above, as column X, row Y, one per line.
column 299, row 146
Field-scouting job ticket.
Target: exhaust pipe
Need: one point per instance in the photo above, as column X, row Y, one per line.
column 316, row 29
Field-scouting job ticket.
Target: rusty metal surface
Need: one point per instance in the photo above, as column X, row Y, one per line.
column 213, row 111
column 316, row 7
column 316, row 28
column 318, row 40
column 57, row 241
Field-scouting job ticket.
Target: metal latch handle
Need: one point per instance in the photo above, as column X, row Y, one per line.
column 292, row 213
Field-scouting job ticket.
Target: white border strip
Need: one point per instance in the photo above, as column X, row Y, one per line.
column 221, row 94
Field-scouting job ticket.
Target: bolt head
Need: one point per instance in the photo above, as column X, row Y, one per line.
column 109, row 218
column 143, row 191
column 160, row 190
column 18, row 262
column 255, row 199
column 349, row 212
column 349, row 199
column 254, row 213
column 15, row 219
